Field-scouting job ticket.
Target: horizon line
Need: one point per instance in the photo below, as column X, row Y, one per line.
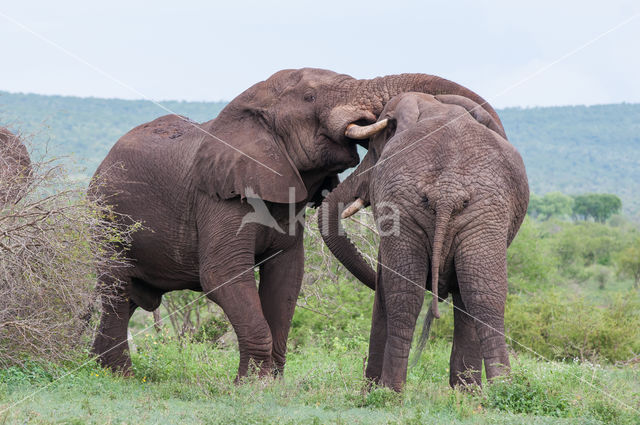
column 227, row 101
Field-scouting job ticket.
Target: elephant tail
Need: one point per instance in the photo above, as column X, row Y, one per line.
column 443, row 214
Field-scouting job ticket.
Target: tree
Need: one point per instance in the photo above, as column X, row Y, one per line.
column 629, row 262
column 554, row 204
column 599, row 206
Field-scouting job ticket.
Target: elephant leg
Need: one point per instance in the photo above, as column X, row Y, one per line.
column 466, row 356
column 239, row 299
column 280, row 282
column 404, row 273
column 110, row 344
column 227, row 259
column 481, row 268
column 378, row 336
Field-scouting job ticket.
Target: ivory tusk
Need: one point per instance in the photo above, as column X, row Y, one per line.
column 359, row 132
column 355, row 206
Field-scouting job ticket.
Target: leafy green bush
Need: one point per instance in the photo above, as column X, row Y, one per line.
column 583, row 244
column 519, row 393
column 530, row 265
column 599, row 273
column 559, row 326
column 628, row 261
column 554, row 204
column 212, row 329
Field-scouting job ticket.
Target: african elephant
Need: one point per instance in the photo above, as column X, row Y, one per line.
column 458, row 192
column 15, row 167
column 194, row 186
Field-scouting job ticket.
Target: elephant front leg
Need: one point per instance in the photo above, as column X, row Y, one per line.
column 280, row 281
column 238, row 298
column 227, row 259
column 110, row 345
column 465, row 365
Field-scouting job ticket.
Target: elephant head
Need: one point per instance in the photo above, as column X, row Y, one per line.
column 460, row 193
column 286, row 137
column 15, row 167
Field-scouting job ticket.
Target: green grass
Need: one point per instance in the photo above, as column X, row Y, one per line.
column 193, row 383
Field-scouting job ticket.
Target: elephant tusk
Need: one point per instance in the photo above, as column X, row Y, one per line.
column 359, row 132
column 353, row 208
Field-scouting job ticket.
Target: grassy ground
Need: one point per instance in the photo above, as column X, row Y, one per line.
column 193, row 383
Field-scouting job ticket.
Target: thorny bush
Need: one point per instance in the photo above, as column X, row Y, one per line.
column 52, row 241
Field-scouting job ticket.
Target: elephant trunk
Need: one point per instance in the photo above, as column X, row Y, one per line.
column 443, row 214
column 335, row 237
column 380, row 90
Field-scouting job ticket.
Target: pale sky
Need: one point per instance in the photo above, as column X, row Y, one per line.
column 512, row 53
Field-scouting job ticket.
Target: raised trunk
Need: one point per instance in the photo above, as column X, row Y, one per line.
column 378, row 91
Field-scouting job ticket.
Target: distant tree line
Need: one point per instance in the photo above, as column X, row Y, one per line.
column 597, row 206
column 561, row 146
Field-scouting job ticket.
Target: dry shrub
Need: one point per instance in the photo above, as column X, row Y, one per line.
column 51, row 243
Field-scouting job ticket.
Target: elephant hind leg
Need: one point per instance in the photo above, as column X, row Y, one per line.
column 465, row 365
column 378, row 335
column 481, row 269
column 110, row 344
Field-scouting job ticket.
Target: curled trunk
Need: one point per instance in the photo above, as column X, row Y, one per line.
column 336, row 239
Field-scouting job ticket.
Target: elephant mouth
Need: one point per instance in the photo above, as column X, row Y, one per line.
column 347, row 154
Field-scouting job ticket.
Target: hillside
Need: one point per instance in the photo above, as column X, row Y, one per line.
column 571, row 149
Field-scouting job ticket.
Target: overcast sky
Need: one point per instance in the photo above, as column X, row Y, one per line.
column 511, row 53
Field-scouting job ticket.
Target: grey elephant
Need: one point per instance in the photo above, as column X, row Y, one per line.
column 201, row 191
column 459, row 193
column 15, row 167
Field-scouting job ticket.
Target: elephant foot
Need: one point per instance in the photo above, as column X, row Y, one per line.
column 120, row 365
column 497, row 367
column 112, row 356
column 467, row 380
column 395, row 386
column 465, row 368
column 255, row 367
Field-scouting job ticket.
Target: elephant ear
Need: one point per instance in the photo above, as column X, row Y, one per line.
column 475, row 110
column 244, row 159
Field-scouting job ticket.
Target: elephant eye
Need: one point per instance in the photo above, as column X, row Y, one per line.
column 309, row 97
column 465, row 203
column 425, row 201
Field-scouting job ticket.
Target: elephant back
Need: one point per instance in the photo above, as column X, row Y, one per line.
column 15, row 167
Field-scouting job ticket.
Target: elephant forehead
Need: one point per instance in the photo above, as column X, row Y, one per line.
column 288, row 78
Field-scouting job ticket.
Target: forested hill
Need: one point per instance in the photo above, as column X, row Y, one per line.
column 572, row 149
column 575, row 149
